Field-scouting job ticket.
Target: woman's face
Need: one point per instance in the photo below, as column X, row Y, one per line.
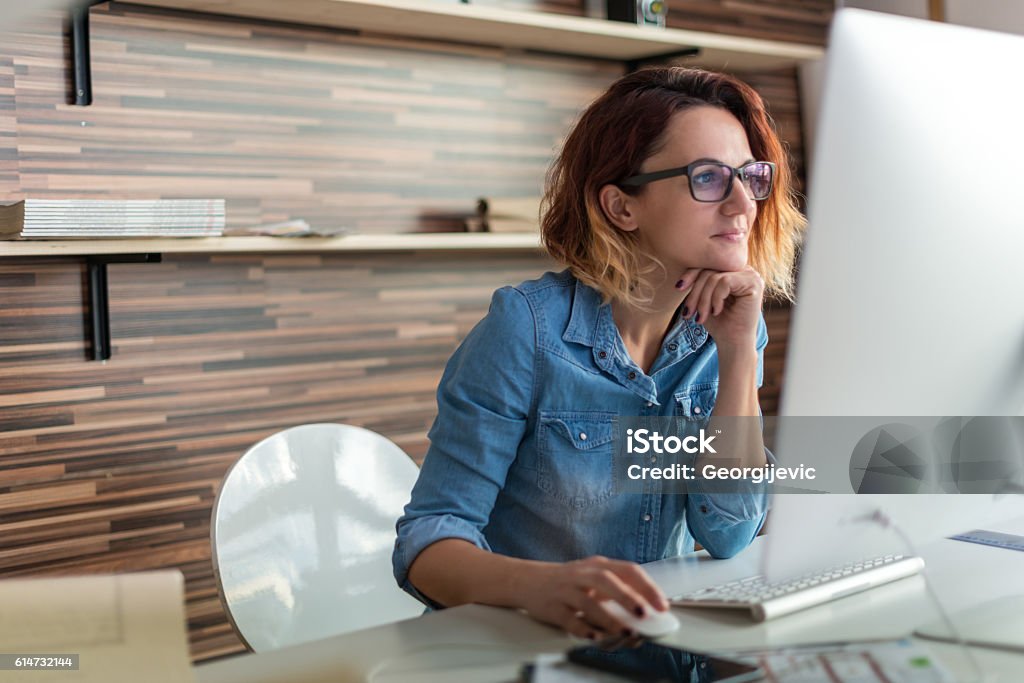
column 680, row 231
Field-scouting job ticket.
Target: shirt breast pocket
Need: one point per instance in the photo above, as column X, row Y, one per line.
column 696, row 402
column 575, row 456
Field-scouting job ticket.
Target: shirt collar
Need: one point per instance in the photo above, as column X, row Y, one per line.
column 585, row 315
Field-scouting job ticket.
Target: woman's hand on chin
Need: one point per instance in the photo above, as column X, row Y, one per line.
column 569, row 595
column 727, row 304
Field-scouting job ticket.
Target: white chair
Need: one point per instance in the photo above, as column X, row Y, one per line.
column 302, row 533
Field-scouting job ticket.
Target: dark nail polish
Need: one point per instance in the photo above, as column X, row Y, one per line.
column 686, row 311
column 696, row 318
column 639, row 611
column 591, row 636
column 627, row 633
column 680, row 284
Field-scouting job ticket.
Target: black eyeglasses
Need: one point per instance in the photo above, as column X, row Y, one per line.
column 711, row 181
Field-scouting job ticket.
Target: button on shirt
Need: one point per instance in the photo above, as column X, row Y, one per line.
column 521, row 450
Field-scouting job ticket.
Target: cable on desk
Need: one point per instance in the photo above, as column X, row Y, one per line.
column 886, row 522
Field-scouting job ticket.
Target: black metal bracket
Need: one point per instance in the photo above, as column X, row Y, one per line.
column 637, row 64
column 81, row 62
column 99, row 301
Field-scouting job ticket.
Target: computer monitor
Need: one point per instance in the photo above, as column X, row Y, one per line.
column 910, row 297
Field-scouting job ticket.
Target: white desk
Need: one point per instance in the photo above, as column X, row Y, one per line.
column 477, row 643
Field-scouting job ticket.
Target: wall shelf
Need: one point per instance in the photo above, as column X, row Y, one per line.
column 456, row 22
column 450, row 241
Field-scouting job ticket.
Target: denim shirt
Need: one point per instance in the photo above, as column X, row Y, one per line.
column 520, row 454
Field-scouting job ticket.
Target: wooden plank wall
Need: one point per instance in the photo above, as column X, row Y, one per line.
column 799, row 21
column 8, row 122
column 114, row 466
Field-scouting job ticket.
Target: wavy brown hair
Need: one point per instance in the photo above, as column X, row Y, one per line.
column 610, row 142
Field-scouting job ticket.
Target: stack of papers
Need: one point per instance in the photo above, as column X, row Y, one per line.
column 90, row 218
column 95, row 629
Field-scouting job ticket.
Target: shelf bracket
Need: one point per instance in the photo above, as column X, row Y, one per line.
column 81, row 62
column 99, row 302
column 637, row 64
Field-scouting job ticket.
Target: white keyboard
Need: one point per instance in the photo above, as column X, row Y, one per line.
column 769, row 600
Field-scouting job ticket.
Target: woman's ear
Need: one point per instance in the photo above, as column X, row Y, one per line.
column 619, row 208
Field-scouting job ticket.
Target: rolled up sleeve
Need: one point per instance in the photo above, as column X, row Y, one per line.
column 726, row 523
column 483, row 401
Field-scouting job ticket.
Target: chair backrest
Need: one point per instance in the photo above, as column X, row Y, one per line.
column 302, row 533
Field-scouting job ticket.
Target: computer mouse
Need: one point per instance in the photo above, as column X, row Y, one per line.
column 653, row 624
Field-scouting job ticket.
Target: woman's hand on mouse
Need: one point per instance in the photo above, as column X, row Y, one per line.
column 569, row 594
column 728, row 304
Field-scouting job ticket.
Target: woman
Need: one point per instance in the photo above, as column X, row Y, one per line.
column 672, row 208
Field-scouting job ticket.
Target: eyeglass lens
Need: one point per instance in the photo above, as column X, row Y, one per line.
column 711, row 182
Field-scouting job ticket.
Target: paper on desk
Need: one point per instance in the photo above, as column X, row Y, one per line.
column 124, row 627
column 897, row 661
